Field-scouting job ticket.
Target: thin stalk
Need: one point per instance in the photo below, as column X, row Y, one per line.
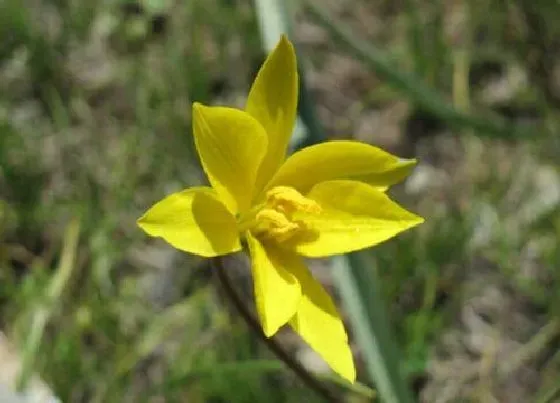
column 306, row 377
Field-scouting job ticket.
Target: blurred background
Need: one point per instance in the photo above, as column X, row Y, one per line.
column 95, row 102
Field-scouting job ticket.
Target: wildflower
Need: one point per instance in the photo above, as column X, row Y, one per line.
column 324, row 200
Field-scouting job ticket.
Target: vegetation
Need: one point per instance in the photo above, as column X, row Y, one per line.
column 95, row 101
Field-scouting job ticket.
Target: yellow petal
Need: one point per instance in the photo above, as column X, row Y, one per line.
column 273, row 102
column 195, row 221
column 341, row 160
column 354, row 216
column 277, row 291
column 231, row 145
column 320, row 325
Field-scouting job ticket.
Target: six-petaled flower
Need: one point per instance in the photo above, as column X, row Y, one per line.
column 324, row 200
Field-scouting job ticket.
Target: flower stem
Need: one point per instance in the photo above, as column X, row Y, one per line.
column 307, row 378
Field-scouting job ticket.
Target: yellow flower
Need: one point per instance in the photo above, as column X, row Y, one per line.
column 324, row 200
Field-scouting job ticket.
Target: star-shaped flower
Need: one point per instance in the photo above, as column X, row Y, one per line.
column 324, row 200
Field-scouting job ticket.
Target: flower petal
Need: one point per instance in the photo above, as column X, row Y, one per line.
column 277, row 291
column 355, row 216
column 273, row 102
column 194, row 221
column 319, row 324
column 341, row 159
column 231, row 145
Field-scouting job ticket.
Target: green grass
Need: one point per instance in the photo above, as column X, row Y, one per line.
column 95, row 127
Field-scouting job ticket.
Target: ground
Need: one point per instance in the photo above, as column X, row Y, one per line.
column 95, row 126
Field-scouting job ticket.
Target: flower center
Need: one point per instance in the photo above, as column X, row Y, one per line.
column 274, row 219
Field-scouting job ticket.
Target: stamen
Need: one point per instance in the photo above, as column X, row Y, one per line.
column 288, row 200
column 274, row 224
column 274, row 218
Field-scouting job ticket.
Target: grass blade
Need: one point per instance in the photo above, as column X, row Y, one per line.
column 360, row 292
column 42, row 314
column 273, row 22
column 418, row 92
